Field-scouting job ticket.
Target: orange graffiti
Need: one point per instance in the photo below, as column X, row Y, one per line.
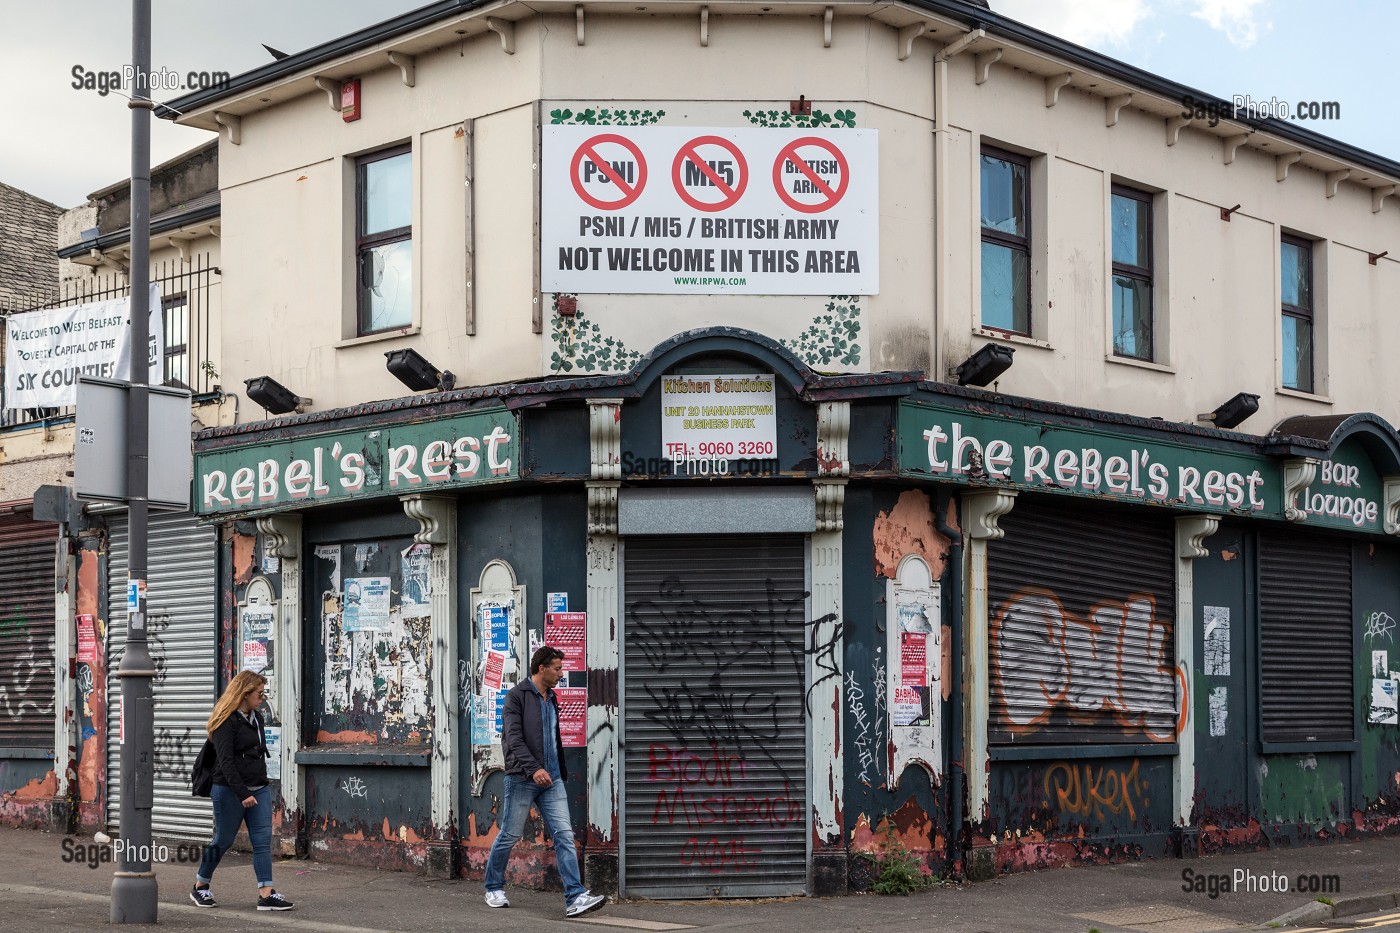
column 1084, row 668
column 1082, row 789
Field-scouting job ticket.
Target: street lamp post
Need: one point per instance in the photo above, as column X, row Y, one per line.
column 134, row 890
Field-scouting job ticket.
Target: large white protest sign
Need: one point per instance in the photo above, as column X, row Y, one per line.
column 673, row 210
column 46, row 351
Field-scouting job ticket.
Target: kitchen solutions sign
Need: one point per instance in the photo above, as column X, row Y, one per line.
column 688, row 210
column 965, row 447
column 466, row 450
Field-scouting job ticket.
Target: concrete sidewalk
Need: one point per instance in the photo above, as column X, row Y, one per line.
column 38, row 890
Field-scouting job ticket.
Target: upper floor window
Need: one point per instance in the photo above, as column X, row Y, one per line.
column 1006, row 241
column 1296, row 255
column 384, row 239
column 176, row 317
column 1132, row 273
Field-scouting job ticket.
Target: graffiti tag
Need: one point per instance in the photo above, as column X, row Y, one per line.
column 355, row 787
column 1083, row 789
column 1379, row 625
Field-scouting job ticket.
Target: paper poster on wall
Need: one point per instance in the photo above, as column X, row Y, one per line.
column 913, row 659
column 495, row 626
column 365, row 606
column 1216, row 620
column 573, row 715
column 1383, row 705
column 494, row 669
column 913, row 695
column 87, row 640
column 1219, row 711
column 1380, row 663
column 907, row 707
column 558, row 602
column 271, row 563
column 255, row 626
column 274, row 748
column 417, row 562
column 482, row 721
column 567, row 631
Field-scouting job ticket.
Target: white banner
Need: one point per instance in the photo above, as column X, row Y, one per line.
column 718, row 418
column 672, row 210
column 46, row 351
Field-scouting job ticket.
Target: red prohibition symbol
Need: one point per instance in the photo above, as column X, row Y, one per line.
column 830, row 197
column 727, row 176
column 629, row 188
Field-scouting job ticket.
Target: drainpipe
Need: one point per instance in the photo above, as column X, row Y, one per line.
column 956, row 782
column 937, row 371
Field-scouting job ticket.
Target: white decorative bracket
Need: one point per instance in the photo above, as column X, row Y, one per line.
column 704, row 27
column 834, row 439
column 1391, row 510
column 1112, row 106
column 1283, row 163
column 605, row 467
column 332, row 89
column 282, row 535
column 578, row 23
column 605, row 438
column 434, row 515
column 1191, row 530
column 907, row 35
column 1053, row 85
column 1336, row 178
column 1298, row 474
column 826, row 27
column 504, row 28
column 232, row 124
column 831, row 504
column 982, row 63
column 1231, row 145
column 407, row 66
column 983, row 509
column 1378, row 196
column 1174, row 127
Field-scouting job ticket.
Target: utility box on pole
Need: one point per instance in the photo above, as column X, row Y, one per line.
column 100, row 443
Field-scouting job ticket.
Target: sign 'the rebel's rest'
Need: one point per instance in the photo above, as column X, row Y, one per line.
column 694, row 210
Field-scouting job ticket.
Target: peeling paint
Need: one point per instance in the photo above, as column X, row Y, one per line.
column 244, row 564
column 908, row 529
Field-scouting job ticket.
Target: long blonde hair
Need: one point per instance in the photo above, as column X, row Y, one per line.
column 238, row 689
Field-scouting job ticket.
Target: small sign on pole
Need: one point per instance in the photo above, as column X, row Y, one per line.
column 100, row 453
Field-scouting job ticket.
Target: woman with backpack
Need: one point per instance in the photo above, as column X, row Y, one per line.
column 240, row 791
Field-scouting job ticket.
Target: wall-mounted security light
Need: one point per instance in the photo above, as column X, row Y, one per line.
column 985, row 365
column 1234, row 411
column 409, row 367
column 274, row 397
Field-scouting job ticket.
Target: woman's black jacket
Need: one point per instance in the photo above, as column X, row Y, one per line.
column 242, row 754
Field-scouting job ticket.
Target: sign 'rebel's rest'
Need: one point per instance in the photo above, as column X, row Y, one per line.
column 469, row 449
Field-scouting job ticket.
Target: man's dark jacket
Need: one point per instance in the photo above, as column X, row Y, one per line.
column 241, row 750
column 522, row 731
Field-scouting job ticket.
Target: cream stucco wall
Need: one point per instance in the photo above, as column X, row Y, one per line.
column 288, row 201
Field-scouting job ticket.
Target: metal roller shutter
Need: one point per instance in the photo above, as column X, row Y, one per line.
column 1305, row 638
column 27, row 632
column 1081, row 607
column 715, row 737
column 182, row 607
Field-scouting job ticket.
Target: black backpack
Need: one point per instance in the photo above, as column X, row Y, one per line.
column 202, row 774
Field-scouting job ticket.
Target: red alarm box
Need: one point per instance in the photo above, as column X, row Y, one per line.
column 350, row 100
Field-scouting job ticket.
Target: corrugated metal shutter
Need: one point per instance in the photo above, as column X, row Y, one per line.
column 27, row 631
column 1081, row 604
column 715, row 797
column 1305, row 638
column 182, row 610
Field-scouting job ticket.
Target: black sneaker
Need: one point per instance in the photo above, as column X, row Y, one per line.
column 203, row 897
column 274, row 901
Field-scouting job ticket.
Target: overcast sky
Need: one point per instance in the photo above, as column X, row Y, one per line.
column 61, row 144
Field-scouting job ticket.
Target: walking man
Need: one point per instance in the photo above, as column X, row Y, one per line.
column 535, row 773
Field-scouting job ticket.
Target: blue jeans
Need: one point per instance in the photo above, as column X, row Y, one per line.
column 229, row 814
column 553, row 804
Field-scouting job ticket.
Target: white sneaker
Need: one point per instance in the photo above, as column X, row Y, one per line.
column 496, row 899
column 584, row 903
